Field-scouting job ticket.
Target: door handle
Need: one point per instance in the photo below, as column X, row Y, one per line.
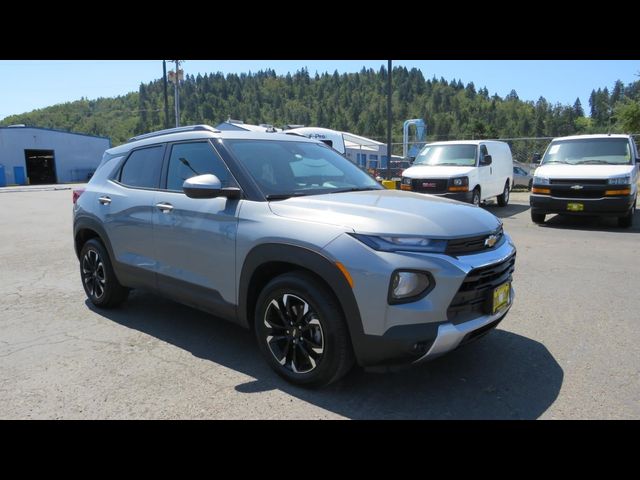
column 491, row 170
column 104, row 200
column 165, row 207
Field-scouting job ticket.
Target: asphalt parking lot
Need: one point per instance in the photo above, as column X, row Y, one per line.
column 569, row 348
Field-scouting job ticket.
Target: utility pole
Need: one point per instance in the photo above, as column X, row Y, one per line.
column 166, row 95
column 389, row 121
column 177, row 94
column 175, row 77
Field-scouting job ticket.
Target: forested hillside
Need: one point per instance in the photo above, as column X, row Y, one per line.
column 355, row 102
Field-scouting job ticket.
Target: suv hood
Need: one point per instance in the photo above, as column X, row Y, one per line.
column 390, row 212
column 427, row 171
column 583, row 171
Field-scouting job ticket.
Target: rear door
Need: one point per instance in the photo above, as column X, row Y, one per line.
column 195, row 239
column 125, row 206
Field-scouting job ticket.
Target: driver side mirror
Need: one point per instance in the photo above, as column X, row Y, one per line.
column 536, row 158
column 208, row 186
column 486, row 160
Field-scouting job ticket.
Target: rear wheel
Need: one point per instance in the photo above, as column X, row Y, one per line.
column 503, row 200
column 627, row 220
column 538, row 217
column 98, row 279
column 301, row 331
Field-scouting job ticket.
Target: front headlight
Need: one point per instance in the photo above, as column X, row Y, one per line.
column 406, row 181
column 540, row 180
column 460, row 181
column 626, row 180
column 401, row 243
column 407, row 286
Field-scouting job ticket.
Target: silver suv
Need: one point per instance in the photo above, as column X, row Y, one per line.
column 282, row 235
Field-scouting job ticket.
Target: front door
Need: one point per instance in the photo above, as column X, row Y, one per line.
column 485, row 174
column 195, row 239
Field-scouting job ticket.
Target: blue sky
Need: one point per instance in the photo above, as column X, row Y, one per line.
column 29, row 84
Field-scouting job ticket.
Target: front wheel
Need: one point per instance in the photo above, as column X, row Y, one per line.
column 538, row 217
column 627, row 220
column 475, row 197
column 503, row 199
column 301, row 331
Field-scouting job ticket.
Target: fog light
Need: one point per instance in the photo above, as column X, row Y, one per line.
column 406, row 286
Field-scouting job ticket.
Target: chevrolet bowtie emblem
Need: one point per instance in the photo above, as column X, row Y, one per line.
column 490, row 241
column 576, row 187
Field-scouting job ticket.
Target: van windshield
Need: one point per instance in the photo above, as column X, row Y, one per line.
column 447, row 155
column 589, row 151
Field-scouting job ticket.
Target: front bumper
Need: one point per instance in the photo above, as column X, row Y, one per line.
column 613, row 206
column 460, row 196
column 450, row 336
column 405, row 333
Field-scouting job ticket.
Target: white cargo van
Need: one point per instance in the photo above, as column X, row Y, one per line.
column 471, row 171
column 587, row 175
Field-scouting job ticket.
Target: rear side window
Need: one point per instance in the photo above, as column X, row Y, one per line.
column 190, row 159
column 143, row 167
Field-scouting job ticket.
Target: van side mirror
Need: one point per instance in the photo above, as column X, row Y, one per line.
column 536, row 158
column 486, row 160
column 208, row 186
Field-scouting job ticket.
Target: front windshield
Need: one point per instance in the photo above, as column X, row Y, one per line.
column 589, row 151
column 447, row 155
column 283, row 168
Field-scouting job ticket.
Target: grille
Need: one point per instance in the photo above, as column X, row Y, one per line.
column 426, row 185
column 582, row 193
column 460, row 246
column 475, row 293
column 587, row 181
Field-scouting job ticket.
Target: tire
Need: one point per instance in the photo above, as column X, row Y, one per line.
column 538, row 217
column 627, row 220
column 503, row 199
column 324, row 355
column 98, row 279
column 530, row 184
column 475, row 197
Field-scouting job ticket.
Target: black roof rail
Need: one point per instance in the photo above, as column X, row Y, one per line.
column 188, row 128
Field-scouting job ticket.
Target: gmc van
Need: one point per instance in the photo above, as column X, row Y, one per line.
column 471, row 171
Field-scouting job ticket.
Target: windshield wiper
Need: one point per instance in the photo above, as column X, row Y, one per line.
column 558, row 161
column 595, row 162
column 353, row 189
column 447, row 165
column 284, row 196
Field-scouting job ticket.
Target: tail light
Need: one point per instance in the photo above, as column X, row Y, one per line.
column 76, row 194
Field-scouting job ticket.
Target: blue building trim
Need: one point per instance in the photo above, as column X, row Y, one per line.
column 57, row 130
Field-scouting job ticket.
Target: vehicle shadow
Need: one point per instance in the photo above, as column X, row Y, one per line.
column 601, row 224
column 502, row 376
column 508, row 211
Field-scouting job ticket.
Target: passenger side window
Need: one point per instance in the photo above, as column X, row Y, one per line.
column 191, row 159
column 483, row 151
column 143, row 167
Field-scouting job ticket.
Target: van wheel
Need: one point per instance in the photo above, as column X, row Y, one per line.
column 503, row 200
column 98, row 279
column 538, row 217
column 627, row 220
column 475, row 197
column 301, row 331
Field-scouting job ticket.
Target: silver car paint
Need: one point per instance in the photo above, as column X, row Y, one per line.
column 206, row 241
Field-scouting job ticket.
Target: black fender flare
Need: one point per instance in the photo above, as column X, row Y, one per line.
column 89, row 223
column 308, row 259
